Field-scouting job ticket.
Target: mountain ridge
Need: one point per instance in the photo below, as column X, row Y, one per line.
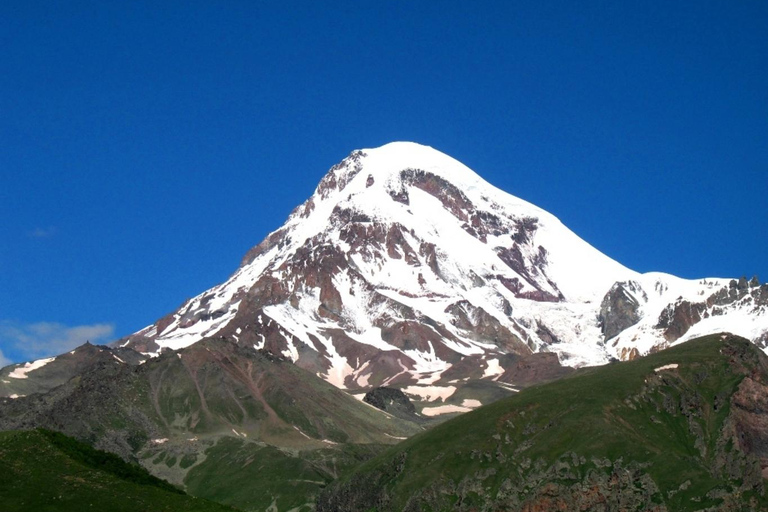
column 682, row 429
column 221, row 420
column 404, row 263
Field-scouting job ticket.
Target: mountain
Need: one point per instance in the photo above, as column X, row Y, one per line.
column 681, row 430
column 405, row 291
column 47, row 471
column 220, row 420
column 18, row 380
column 405, row 268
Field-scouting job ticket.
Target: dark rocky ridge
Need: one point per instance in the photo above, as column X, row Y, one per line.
column 534, row 369
column 392, row 401
column 63, row 368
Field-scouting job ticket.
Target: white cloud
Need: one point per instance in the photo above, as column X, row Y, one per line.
column 4, row 361
column 46, row 339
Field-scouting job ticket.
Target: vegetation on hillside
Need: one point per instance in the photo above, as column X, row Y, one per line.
column 43, row 471
column 665, row 432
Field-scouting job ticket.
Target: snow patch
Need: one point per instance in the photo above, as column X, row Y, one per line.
column 666, row 367
column 431, row 393
column 300, row 432
column 508, row 387
column 492, row 369
column 431, row 377
column 443, row 409
column 22, row 371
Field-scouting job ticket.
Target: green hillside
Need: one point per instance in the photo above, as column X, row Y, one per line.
column 43, row 471
column 641, row 435
column 219, row 420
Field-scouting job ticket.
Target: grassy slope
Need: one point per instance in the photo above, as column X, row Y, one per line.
column 622, row 411
column 312, row 432
column 210, row 404
column 255, row 477
column 42, row 471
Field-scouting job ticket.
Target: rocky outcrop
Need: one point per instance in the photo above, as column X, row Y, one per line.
column 620, row 308
column 737, row 291
column 452, row 198
column 392, row 401
column 750, row 420
column 57, row 371
column 477, row 324
column 677, row 318
column 534, row 369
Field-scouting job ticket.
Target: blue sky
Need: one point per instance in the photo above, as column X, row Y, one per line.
column 146, row 146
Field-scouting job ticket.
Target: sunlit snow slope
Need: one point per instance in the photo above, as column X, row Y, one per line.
column 406, row 267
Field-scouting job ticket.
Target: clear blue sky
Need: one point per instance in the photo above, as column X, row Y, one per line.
column 146, row 146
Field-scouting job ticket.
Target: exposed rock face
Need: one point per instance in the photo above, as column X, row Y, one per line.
column 478, row 325
column 533, row 369
column 750, row 420
column 677, row 318
column 740, row 291
column 29, row 378
column 619, row 488
column 391, row 400
column 620, row 308
column 405, row 263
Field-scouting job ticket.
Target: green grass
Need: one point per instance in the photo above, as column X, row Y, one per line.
column 42, row 471
column 622, row 411
column 104, row 461
column 253, row 476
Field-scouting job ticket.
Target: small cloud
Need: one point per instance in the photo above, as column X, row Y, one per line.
column 46, row 339
column 4, row 361
column 42, row 232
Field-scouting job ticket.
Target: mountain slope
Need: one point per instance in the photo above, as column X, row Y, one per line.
column 39, row 376
column 684, row 429
column 45, row 471
column 192, row 416
column 406, row 268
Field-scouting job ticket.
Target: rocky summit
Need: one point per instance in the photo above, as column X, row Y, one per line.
column 405, row 268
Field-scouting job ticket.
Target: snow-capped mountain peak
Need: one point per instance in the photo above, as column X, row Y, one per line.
column 405, row 266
